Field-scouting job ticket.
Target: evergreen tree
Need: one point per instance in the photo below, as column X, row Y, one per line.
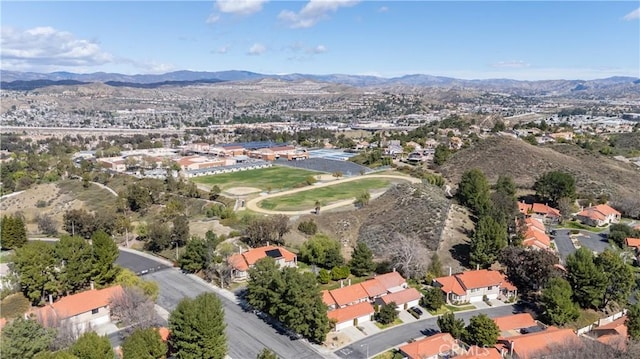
column 619, row 277
column 633, row 321
column 74, row 253
column 557, row 302
column 55, row 355
column 434, row 270
column 432, row 299
column 362, row 260
column 37, row 270
column 214, row 193
column 323, row 251
column 13, row 233
column 198, row 329
column 92, row 346
column 449, row 324
column 489, row 238
column 473, row 192
column 180, row 230
column 144, row 343
column 105, row 253
column 23, row 338
column 263, row 279
column 588, row 282
column 555, row 185
column 194, row 257
column 388, row 313
column 482, row 331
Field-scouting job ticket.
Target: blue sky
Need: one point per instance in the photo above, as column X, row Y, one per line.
column 471, row 40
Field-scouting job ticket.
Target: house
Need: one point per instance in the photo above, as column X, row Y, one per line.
column 404, row 299
column 241, row 262
column 82, row 311
column 473, row 286
column 534, row 235
column 613, row 334
column 543, row 212
column 546, row 342
column 349, row 295
column 352, row 315
column 437, row 346
column 516, row 324
column 476, row 352
column 600, row 215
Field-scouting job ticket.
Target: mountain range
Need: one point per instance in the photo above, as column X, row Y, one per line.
column 31, row 80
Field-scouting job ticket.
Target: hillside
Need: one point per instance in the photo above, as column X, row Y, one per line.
column 411, row 210
column 594, row 173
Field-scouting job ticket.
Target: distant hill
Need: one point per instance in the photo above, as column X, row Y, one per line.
column 614, row 85
column 497, row 156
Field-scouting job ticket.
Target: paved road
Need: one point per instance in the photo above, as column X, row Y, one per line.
column 597, row 242
column 253, row 203
column 399, row 335
column 139, row 264
column 247, row 334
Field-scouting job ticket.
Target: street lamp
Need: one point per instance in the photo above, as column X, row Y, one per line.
column 361, row 345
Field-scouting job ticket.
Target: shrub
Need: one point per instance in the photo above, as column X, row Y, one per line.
column 41, row 203
column 341, row 272
column 308, row 227
column 324, row 276
column 14, row 306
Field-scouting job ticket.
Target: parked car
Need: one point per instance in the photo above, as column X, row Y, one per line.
column 417, row 311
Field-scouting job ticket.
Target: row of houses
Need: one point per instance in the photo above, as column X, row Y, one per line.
column 263, row 153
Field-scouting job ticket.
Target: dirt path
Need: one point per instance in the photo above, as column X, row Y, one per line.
column 253, row 203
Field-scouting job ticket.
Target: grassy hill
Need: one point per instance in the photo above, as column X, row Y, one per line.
column 594, row 173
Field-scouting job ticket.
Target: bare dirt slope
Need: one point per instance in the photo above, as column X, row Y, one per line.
column 594, row 173
column 414, row 210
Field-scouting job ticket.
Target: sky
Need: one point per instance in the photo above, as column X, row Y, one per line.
column 470, row 40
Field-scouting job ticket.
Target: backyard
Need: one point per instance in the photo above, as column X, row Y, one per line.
column 326, row 195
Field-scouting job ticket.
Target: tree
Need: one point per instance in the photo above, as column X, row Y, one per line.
column 79, row 222
column 407, row 254
column 557, row 304
column 36, row 266
column 449, row 324
column 214, row 193
column 434, row 270
column 127, row 278
column 362, row 199
column 105, row 253
column 441, row 154
column 266, row 354
column 265, row 279
column 47, row 225
column 133, row 309
column 588, row 282
column 489, row 238
column 362, row 260
column 92, row 346
column 138, row 197
column 194, row 257
column 180, row 230
column 24, row 338
column 529, row 270
column 55, row 355
column 565, row 206
column 144, row 343
column 432, row 299
column 308, row 227
column 481, row 331
column 341, row 272
column 324, row 276
column 74, row 253
column 555, row 185
column 263, row 230
column 633, row 321
column 473, row 191
column 321, row 250
column 619, row 277
column 316, row 207
column 388, row 313
column 159, row 237
column 618, row 232
column 503, row 201
column 13, row 233
column 198, row 329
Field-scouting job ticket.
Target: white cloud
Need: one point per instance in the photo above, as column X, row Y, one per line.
column 240, row 7
column 510, row 64
column 383, row 9
column 312, row 12
column 257, row 49
column 47, row 47
column 635, row 14
column 213, row 18
column 222, row 50
column 320, row 49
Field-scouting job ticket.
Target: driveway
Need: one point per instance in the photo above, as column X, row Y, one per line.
column 596, row 242
column 399, row 335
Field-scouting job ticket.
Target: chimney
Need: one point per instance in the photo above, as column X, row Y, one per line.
column 394, row 269
column 92, row 286
column 267, row 243
column 341, row 283
column 449, row 271
column 477, row 266
column 511, row 348
column 590, row 204
column 349, row 281
column 50, row 299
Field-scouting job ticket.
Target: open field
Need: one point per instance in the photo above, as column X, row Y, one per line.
column 326, row 195
column 272, row 178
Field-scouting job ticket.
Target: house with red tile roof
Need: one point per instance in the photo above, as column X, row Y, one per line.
column 541, row 211
column 473, row 286
column 82, row 311
column 600, row 215
column 351, row 315
column 614, row 333
column 404, row 299
column 437, row 346
column 516, row 324
column 241, row 262
column 476, row 352
column 539, row 344
column 535, row 235
column 349, row 295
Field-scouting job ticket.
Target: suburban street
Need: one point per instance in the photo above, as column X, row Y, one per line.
column 247, row 334
column 597, row 242
column 401, row 334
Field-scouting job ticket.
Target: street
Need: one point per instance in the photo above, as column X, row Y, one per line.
column 597, row 242
column 401, row 334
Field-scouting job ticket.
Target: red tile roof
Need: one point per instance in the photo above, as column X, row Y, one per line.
column 242, row 261
column 351, row 312
column 531, row 345
column 515, row 321
column 544, row 209
column 451, row 285
column 402, row 297
column 633, row 242
column 374, row 288
column 79, row 303
column 327, row 298
column 480, row 278
column 476, row 352
column 390, row 280
column 429, row 346
column 536, row 238
column 164, row 333
column 533, row 223
column 523, row 207
column 349, row 294
column 599, row 212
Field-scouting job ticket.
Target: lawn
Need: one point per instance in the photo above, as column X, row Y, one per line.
column 272, row 178
column 326, row 195
column 385, row 326
column 451, row 308
column 578, row 225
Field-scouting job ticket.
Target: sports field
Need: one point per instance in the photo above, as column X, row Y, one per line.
column 272, row 178
column 326, row 195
